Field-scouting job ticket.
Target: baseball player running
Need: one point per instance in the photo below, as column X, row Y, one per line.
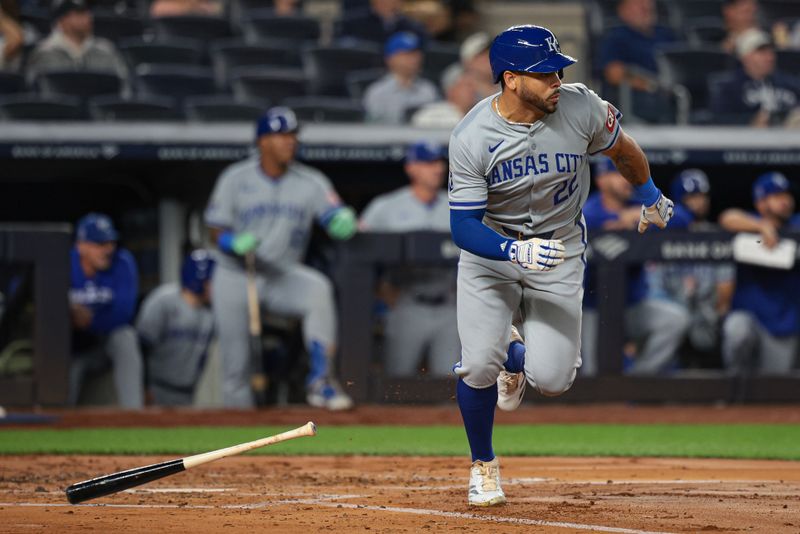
column 175, row 326
column 266, row 205
column 519, row 174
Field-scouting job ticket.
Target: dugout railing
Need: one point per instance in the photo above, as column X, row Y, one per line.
column 361, row 260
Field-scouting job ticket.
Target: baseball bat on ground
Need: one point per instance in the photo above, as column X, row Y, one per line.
column 258, row 378
column 108, row 484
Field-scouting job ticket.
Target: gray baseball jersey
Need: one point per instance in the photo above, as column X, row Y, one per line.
column 178, row 334
column 530, row 178
column 279, row 211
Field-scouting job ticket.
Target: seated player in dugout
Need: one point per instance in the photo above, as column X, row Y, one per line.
column 175, row 327
column 104, row 285
column 266, row 206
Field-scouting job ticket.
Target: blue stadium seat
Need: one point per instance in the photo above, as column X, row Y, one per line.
column 358, row 81
column 37, row 108
column 705, row 32
column 439, row 56
column 263, row 24
column 772, row 11
column 327, row 66
column 267, row 85
column 690, row 67
column 322, row 109
column 689, row 11
column 162, row 51
column 174, row 81
column 138, row 109
column 789, row 61
column 81, row 83
column 199, row 27
column 222, row 108
column 228, row 55
column 11, row 82
column 116, row 27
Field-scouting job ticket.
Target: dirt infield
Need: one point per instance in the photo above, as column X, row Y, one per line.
column 358, row 494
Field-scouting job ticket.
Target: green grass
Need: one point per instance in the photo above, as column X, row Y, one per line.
column 717, row 441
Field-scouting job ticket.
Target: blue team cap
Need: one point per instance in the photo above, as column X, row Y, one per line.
column 97, row 228
column 688, row 182
column 603, row 166
column 425, row 151
column 768, row 184
column 276, row 120
column 402, row 42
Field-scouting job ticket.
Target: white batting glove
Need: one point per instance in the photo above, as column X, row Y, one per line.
column 659, row 214
column 537, row 254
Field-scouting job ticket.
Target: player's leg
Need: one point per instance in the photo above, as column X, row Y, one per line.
column 122, row 347
column 445, row 345
column 740, row 341
column 83, row 363
column 776, row 355
column 406, row 336
column 589, row 328
column 488, row 294
column 306, row 293
column 663, row 326
column 229, row 305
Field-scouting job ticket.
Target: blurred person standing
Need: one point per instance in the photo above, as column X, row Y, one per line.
column 11, row 40
column 103, row 291
column 460, row 96
column 72, row 44
column 378, row 22
column 761, row 333
column 388, row 99
column 265, row 206
column 756, row 93
column 656, row 326
column 421, row 300
column 628, row 57
column 175, row 327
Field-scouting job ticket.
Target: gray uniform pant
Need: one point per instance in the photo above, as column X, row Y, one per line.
column 298, row 291
column 658, row 327
column 746, row 345
column 411, row 327
column 121, row 346
column 164, row 396
column 489, row 294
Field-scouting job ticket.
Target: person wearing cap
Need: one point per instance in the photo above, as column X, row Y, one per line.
column 460, row 95
column 377, row 22
column 104, row 284
column 388, row 99
column 738, row 16
column 421, row 300
column 656, row 327
column 72, row 45
column 175, row 326
column 756, row 93
column 266, row 206
column 474, row 58
column 761, row 333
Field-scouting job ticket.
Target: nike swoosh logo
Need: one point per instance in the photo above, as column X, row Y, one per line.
column 493, row 148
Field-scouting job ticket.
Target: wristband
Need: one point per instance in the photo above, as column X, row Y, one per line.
column 648, row 193
column 225, row 242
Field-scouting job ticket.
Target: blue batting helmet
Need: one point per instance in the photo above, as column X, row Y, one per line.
column 425, row 151
column 527, row 48
column 196, row 270
column 279, row 119
column 688, row 182
column 770, row 183
column 97, row 228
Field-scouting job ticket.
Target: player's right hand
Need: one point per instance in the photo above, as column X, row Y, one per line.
column 659, row 214
column 244, row 242
column 537, row 254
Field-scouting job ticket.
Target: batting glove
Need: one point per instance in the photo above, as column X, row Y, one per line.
column 659, row 214
column 537, row 254
column 343, row 224
column 239, row 244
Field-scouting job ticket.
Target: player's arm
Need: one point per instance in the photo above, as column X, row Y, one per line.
column 736, row 220
column 125, row 288
column 338, row 219
column 219, row 217
column 632, row 163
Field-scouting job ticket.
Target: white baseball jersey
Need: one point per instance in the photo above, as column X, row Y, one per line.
column 530, row 178
column 279, row 211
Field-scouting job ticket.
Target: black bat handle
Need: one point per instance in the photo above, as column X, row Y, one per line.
column 108, row 484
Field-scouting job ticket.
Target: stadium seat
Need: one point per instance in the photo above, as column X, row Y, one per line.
column 175, row 81
column 327, row 66
column 11, row 82
column 35, row 18
column 222, row 109
column 316, row 109
column 706, row 31
column 105, row 108
column 602, row 15
column 688, row 11
column 228, row 55
column 162, row 51
column 199, row 27
column 789, row 61
column 82, row 84
column 37, row 108
column 772, row 11
column 439, row 56
column 358, row 81
column 115, row 27
column 267, row 85
column 263, row 24
column 690, row 67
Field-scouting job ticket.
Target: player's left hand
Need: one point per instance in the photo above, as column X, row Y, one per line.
column 537, row 254
column 343, row 224
column 659, row 214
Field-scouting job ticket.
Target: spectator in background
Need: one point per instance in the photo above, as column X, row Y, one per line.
column 474, row 55
column 704, row 289
column 388, row 99
column 172, row 8
column 383, row 19
column 103, row 290
column 287, row 8
column 756, row 93
column 628, row 58
column 657, row 327
column 421, row 300
column 11, row 40
column 460, row 96
column 761, row 333
column 72, row 44
column 175, row 326
column 738, row 16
